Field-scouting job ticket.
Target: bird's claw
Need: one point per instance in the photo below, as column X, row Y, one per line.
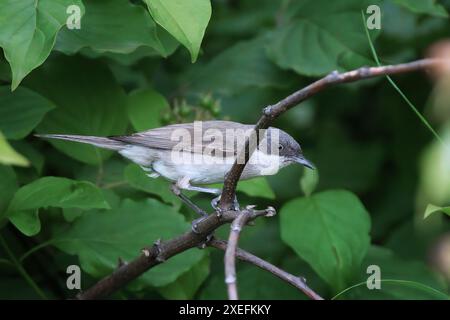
column 219, row 211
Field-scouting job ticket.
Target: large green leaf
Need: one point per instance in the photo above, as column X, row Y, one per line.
column 100, row 239
column 51, row 192
column 145, row 108
column 21, row 111
column 321, row 36
column 9, row 156
column 28, row 32
column 329, row 230
column 237, row 69
column 138, row 179
column 185, row 20
column 114, row 26
column 431, row 7
column 89, row 102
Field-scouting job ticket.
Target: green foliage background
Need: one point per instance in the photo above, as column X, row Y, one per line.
column 136, row 65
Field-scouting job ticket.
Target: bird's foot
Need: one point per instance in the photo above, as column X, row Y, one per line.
column 219, row 211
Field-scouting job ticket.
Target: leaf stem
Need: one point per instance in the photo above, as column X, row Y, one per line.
column 21, row 269
column 35, row 248
column 392, row 82
column 401, row 282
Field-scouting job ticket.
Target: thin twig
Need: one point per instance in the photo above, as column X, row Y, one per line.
column 271, row 112
column 297, row 282
column 230, row 253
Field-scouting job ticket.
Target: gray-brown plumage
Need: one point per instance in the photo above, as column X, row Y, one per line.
column 216, row 142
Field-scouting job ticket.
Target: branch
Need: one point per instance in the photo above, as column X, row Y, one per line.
column 243, row 255
column 272, row 112
column 230, row 254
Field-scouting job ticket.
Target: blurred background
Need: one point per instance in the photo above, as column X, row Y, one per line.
column 125, row 71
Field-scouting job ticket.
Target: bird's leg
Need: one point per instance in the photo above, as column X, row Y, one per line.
column 177, row 191
column 183, row 183
column 215, row 201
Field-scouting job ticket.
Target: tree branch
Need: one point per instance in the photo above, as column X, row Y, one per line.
column 161, row 251
column 272, row 112
column 243, row 255
column 230, row 254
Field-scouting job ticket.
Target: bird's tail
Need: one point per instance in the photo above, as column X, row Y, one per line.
column 102, row 142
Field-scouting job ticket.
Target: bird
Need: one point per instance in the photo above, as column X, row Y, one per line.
column 191, row 155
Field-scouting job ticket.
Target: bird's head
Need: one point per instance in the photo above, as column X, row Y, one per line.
column 288, row 149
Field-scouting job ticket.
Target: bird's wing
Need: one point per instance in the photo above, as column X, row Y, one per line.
column 213, row 137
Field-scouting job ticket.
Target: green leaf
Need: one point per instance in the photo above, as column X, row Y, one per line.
column 28, row 33
column 72, row 213
column 138, row 179
column 51, row 192
column 144, row 109
column 433, row 209
column 258, row 187
column 8, row 186
column 321, row 36
column 21, row 111
column 431, row 7
column 186, row 285
column 185, row 20
column 89, row 102
column 100, row 239
column 9, row 156
column 238, row 69
column 115, row 26
column 309, row 181
column 329, row 230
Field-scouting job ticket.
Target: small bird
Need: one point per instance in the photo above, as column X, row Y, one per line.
column 198, row 153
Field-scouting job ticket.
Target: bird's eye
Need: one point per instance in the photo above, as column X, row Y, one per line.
column 280, row 147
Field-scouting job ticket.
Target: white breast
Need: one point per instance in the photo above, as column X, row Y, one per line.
column 201, row 169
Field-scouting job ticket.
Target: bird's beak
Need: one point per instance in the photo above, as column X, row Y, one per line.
column 304, row 161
